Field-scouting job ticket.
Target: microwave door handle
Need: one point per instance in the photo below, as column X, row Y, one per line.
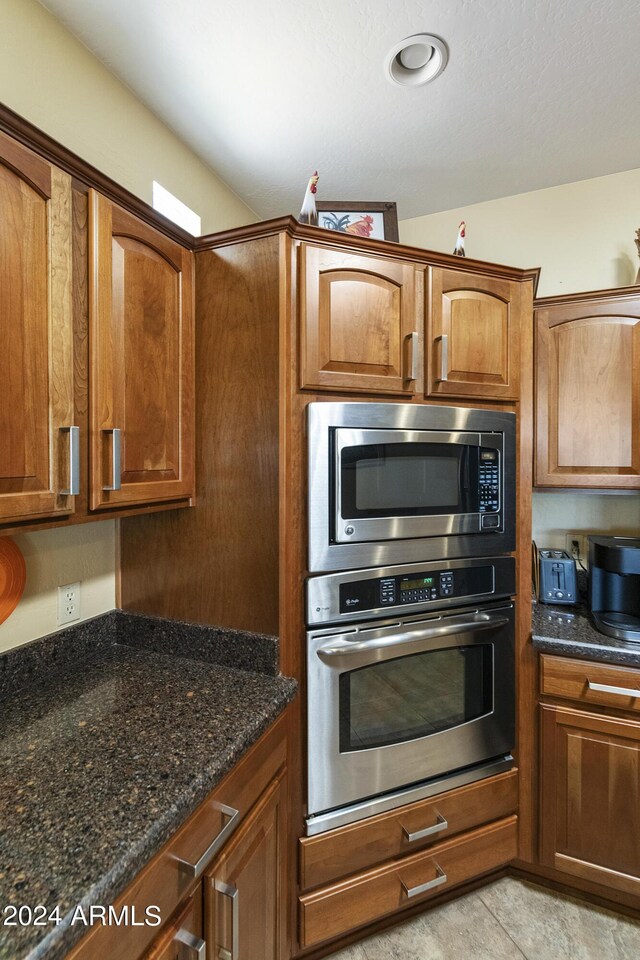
column 341, row 648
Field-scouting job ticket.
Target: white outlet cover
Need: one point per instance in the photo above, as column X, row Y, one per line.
column 68, row 603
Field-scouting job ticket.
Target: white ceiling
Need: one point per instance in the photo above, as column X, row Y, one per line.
column 536, row 93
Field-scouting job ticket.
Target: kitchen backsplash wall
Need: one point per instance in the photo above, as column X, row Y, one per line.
column 581, row 234
column 84, row 553
column 556, row 514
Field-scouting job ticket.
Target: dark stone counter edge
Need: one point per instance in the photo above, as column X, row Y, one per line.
column 600, row 652
column 60, row 939
column 40, row 660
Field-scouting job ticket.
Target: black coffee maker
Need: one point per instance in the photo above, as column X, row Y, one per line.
column 614, row 586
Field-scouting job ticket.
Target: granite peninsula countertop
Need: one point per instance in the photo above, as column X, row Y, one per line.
column 569, row 632
column 111, row 734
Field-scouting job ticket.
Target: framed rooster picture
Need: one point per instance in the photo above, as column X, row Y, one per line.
column 377, row 221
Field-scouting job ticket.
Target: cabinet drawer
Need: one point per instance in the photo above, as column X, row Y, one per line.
column 593, row 683
column 361, row 845
column 332, row 911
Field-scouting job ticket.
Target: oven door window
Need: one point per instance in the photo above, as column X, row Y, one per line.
column 408, row 480
column 414, row 696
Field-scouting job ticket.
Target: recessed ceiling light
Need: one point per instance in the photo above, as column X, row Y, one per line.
column 416, row 60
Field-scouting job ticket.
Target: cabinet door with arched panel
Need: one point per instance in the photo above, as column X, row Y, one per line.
column 587, row 390
column 474, row 328
column 142, row 361
column 39, row 441
column 361, row 322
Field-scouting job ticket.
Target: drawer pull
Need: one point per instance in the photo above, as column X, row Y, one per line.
column 428, row 831
column 619, row 691
column 194, row 870
column 437, row 881
column 227, row 890
column 191, row 947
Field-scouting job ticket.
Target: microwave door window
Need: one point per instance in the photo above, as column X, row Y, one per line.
column 405, row 480
column 414, row 696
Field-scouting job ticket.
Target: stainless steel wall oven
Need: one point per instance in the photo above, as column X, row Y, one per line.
column 394, row 483
column 414, row 703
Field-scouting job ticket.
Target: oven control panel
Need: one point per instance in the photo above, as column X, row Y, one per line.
column 420, row 587
column 489, row 482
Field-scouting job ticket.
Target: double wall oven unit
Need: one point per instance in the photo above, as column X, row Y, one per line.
column 419, row 701
column 410, row 658
column 396, row 483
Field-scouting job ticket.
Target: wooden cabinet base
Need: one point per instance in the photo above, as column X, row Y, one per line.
column 590, row 797
column 331, row 856
column 332, row 911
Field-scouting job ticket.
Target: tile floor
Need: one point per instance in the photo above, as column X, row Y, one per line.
column 507, row 920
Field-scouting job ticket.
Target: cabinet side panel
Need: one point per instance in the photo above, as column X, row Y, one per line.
column 218, row 562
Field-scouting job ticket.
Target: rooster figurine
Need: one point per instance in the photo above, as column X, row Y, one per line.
column 459, row 247
column 308, row 213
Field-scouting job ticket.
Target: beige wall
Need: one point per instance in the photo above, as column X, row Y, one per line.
column 51, row 79
column 84, row 553
column 582, row 235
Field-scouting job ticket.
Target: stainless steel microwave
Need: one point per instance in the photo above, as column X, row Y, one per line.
column 397, row 483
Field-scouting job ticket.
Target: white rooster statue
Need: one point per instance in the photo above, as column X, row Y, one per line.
column 459, row 247
column 308, row 213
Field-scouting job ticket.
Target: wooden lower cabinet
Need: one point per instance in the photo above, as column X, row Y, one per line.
column 182, row 938
column 245, row 889
column 179, row 881
column 590, row 797
column 332, row 911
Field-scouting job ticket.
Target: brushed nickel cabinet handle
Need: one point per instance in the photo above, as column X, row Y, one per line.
column 191, row 947
column 438, row 827
column 115, row 459
column 196, row 869
column 618, row 691
column 444, row 356
column 74, row 462
column 414, row 341
column 438, row 880
column 227, row 890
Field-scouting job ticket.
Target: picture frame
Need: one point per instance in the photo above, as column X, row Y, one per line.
column 373, row 219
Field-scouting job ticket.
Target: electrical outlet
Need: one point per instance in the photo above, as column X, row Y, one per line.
column 582, row 553
column 68, row 603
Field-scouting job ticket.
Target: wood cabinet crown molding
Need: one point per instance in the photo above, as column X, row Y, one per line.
column 85, row 175
column 631, row 292
column 330, row 238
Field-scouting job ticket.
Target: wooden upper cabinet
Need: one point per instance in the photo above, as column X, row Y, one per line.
column 245, row 890
column 36, row 328
column 474, row 334
column 588, row 390
column 590, row 789
column 361, row 322
column 141, row 361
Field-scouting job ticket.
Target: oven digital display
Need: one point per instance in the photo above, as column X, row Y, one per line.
column 417, row 584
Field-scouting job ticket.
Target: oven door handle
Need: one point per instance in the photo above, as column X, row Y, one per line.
column 480, row 621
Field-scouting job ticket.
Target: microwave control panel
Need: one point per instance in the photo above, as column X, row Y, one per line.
column 434, row 585
column 489, row 481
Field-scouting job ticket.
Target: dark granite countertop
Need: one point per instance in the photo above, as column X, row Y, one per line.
column 569, row 632
column 111, row 734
